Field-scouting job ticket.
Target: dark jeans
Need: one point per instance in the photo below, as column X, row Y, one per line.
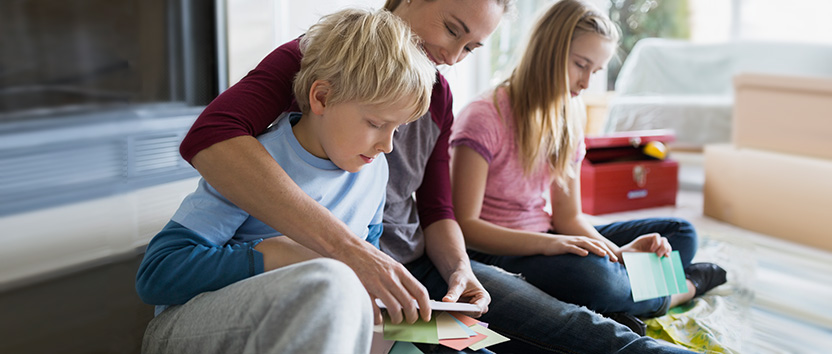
column 537, row 322
column 593, row 281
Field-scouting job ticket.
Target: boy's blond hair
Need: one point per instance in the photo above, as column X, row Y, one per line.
column 368, row 57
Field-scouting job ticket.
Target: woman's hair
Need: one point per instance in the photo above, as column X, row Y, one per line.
column 369, row 57
column 545, row 123
column 391, row 5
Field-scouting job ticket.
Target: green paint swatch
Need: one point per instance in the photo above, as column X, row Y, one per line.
column 652, row 276
column 419, row 332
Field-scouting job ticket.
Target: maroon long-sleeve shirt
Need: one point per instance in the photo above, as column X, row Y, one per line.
column 419, row 162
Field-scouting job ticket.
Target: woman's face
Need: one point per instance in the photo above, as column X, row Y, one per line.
column 450, row 29
column 589, row 53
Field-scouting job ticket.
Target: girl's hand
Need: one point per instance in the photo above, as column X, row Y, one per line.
column 654, row 243
column 579, row 245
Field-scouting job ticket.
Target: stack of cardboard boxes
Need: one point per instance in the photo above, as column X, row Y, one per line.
column 776, row 177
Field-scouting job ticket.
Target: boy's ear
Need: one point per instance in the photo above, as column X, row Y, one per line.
column 317, row 96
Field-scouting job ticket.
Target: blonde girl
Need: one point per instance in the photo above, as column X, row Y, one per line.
column 525, row 139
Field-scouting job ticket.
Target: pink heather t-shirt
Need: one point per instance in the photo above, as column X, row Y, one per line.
column 511, row 198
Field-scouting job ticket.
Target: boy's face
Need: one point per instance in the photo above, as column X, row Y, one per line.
column 352, row 135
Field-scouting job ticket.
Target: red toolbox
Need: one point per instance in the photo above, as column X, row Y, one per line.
column 617, row 175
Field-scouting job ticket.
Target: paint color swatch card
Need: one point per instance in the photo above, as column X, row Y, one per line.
column 652, row 276
column 453, row 330
column 441, row 306
column 418, row 332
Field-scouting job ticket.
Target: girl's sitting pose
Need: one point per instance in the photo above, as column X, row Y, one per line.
column 525, row 138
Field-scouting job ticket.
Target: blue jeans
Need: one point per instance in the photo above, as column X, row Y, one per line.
column 538, row 323
column 593, row 281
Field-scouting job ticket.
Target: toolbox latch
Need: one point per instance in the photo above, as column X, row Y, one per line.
column 640, row 175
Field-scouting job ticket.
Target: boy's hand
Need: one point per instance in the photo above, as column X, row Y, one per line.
column 389, row 281
column 463, row 285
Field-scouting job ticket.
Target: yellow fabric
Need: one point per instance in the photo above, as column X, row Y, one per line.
column 689, row 325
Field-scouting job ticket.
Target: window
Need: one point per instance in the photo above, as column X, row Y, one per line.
column 95, row 95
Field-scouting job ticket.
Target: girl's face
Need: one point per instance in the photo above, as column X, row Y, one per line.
column 450, row 29
column 590, row 53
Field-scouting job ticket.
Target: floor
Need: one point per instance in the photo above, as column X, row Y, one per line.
column 789, row 306
column 785, row 291
column 94, row 311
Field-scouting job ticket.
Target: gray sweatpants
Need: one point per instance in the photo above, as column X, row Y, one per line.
column 317, row 306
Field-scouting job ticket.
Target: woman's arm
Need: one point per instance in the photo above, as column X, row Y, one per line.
column 445, row 246
column 243, row 171
column 231, row 160
column 469, row 173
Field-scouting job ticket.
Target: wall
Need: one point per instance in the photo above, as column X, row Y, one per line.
column 256, row 27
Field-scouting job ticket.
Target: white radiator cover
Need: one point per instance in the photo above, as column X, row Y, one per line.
column 45, row 243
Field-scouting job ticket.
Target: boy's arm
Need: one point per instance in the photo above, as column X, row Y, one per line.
column 180, row 264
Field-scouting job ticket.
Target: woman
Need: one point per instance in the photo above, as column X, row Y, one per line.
column 221, row 142
column 524, row 139
column 420, row 232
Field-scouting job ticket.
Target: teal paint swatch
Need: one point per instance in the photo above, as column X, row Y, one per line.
column 652, row 276
column 404, row 348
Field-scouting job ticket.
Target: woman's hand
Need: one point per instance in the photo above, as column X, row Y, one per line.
column 579, row 245
column 653, row 242
column 464, row 286
column 389, row 281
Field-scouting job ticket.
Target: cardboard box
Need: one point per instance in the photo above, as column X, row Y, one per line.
column 597, row 110
column 786, row 114
column 617, row 176
column 786, row 196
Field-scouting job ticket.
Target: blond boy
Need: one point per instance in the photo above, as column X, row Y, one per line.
column 223, row 280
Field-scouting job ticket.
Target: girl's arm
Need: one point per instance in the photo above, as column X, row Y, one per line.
column 469, row 172
column 568, row 218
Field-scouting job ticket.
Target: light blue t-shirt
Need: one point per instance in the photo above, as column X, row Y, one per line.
column 355, row 198
column 209, row 242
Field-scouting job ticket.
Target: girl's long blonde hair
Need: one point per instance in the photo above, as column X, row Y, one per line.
column 546, row 125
